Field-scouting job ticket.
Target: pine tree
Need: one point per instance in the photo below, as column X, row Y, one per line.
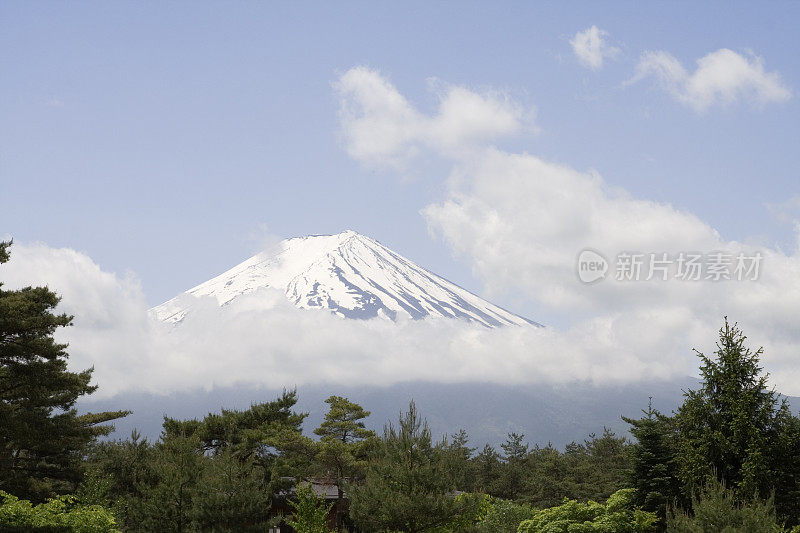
column 168, row 502
column 515, row 449
column 488, row 470
column 607, row 463
column 408, row 487
column 341, row 450
column 118, row 472
column 42, row 438
column 459, row 457
column 654, row 470
column 230, row 495
column 511, row 486
column 249, row 436
column 732, row 426
column 552, row 475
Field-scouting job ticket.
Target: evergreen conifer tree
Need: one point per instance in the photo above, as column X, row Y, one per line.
column 488, row 470
column 342, row 446
column 460, row 459
column 654, row 470
column 730, row 427
column 42, row 437
column 408, row 486
column 715, row 508
column 512, row 482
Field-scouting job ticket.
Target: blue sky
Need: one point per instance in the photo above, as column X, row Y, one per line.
column 164, row 138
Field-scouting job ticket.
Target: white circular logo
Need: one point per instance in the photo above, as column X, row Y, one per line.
column 591, row 266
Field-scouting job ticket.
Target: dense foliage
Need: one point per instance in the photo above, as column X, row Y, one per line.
column 716, row 509
column 218, row 473
column 502, row 516
column 57, row 514
column 544, row 476
column 309, row 512
column 618, row 515
column 410, row 485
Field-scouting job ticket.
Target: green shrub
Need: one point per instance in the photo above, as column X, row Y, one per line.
column 479, row 505
column 618, row 515
column 310, row 514
column 503, row 516
column 716, row 509
column 57, row 514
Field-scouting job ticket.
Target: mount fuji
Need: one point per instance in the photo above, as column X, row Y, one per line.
column 348, row 274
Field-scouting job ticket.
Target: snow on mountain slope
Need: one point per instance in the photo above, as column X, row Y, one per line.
column 348, row 274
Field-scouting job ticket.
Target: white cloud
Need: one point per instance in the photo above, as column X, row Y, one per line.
column 721, row 78
column 260, row 238
column 591, row 48
column 786, row 211
column 262, row 339
column 111, row 332
column 381, row 129
column 521, row 221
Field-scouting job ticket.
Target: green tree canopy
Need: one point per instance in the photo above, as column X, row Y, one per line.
column 731, row 427
column 653, row 471
column 502, row 516
column 243, row 432
column 58, row 514
column 344, row 421
column 218, row 473
column 618, row 515
column 716, row 510
column 309, row 512
column 341, row 451
column 409, row 486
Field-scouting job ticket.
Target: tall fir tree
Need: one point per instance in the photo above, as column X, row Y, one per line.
column 488, row 469
column 42, row 437
column 512, row 482
column 607, row 463
column 460, row 460
column 734, row 428
column 654, row 471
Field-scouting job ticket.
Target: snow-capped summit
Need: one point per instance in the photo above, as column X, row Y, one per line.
column 349, row 274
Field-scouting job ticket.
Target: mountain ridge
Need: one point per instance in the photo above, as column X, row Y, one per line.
column 350, row 275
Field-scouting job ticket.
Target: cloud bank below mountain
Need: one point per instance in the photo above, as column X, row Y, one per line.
column 263, row 339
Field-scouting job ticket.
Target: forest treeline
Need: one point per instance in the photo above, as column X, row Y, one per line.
column 728, row 459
